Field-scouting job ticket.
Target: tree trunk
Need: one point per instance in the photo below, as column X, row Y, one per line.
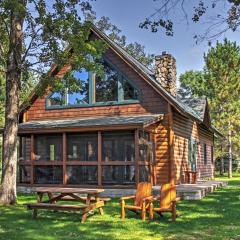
column 230, row 154
column 8, row 193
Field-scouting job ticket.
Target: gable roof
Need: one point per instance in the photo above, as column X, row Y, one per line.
column 192, row 108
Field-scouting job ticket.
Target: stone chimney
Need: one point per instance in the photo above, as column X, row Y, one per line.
column 165, row 72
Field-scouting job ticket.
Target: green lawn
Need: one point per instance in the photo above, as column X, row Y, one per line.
column 215, row 217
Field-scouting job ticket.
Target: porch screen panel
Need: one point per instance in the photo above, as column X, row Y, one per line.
column 118, row 157
column 48, row 147
column 82, row 147
column 145, row 156
column 118, row 146
column 118, row 175
column 24, row 174
column 48, row 175
column 24, row 158
column 82, row 175
column 25, row 148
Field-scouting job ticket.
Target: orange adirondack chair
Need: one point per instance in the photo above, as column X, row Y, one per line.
column 144, row 190
column 167, row 201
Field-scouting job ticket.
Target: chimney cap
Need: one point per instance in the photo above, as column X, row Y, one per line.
column 164, row 53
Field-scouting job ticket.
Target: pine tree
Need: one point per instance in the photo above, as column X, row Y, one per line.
column 220, row 82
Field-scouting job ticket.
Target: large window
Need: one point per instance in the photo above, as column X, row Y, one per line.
column 86, row 88
column 79, row 94
column 107, row 86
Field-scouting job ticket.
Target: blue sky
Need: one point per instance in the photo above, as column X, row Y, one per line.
column 127, row 14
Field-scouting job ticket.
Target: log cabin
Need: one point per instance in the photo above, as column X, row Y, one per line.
column 127, row 127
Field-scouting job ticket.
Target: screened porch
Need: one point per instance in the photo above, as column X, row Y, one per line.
column 117, row 157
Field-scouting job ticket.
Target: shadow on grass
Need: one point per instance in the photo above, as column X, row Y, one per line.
column 215, row 217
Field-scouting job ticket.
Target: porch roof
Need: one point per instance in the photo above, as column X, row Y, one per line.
column 97, row 122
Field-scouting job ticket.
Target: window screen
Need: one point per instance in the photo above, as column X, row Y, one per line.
column 48, row 174
column 82, row 175
column 48, row 147
column 82, row 147
column 205, row 153
column 118, row 175
column 118, row 146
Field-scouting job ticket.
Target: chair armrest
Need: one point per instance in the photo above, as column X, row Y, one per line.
column 127, row 198
column 177, row 199
column 151, row 198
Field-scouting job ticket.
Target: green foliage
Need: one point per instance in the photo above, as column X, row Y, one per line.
column 201, row 11
column 191, row 84
column 54, row 32
column 213, row 218
column 114, row 33
column 220, row 82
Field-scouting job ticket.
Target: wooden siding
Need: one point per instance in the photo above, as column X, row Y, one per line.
column 150, row 102
column 205, row 170
column 162, row 153
column 184, row 130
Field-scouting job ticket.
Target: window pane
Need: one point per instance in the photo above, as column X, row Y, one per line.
column 130, row 93
column 82, row 175
column 107, row 87
column 48, row 147
column 205, row 153
column 144, row 174
column 80, row 93
column 82, row 147
column 24, row 174
column 48, row 174
column 118, row 146
column 56, row 99
column 118, row 175
column 25, row 149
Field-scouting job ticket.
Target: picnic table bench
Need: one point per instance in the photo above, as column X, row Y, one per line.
column 91, row 202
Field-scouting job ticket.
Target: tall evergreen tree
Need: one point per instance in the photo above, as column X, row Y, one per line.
column 220, row 82
column 37, row 34
column 135, row 49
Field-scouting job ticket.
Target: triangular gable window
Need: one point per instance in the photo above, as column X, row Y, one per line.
column 111, row 88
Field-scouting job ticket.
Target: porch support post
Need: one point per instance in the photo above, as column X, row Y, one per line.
column 32, row 160
column 99, row 159
column 171, row 174
column 136, row 156
column 64, row 158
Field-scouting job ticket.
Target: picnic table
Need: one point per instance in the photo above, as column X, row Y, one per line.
column 91, row 202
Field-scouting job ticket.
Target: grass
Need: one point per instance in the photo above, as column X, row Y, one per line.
column 215, row 217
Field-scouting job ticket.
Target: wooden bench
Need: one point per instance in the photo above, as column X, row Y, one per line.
column 84, row 209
